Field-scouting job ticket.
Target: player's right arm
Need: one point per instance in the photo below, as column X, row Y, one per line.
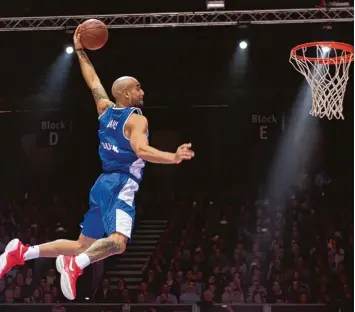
column 136, row 130
column 91, row 78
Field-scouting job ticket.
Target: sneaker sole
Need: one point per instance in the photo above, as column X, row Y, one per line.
column 64, row 279
column 11, row 246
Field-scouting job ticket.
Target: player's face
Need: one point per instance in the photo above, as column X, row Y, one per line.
column 137, row 95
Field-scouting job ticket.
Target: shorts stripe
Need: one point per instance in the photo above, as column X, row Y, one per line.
column 124, row 223
column 128, row 191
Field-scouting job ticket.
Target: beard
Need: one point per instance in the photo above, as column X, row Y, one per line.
column 139, row 103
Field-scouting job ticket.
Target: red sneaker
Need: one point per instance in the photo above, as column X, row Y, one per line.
column 69, row 273
column 13, row 255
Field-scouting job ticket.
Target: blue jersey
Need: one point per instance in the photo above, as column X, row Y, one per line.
column 115, row 150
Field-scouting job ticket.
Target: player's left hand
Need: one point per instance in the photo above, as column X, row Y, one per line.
column 184, row 152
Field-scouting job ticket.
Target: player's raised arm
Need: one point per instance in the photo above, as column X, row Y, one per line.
column 92, row 80
column 136, row 129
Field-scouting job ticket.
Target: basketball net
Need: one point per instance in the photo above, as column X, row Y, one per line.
column 327, row 75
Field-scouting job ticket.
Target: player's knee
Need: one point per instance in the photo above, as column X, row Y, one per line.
column 84, row 243
column 120, row 241
column 122, row 247
column 82, row 246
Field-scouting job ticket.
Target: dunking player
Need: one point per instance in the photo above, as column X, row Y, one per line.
column 123, row 150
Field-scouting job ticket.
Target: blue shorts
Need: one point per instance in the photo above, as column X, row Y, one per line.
column 112, row 207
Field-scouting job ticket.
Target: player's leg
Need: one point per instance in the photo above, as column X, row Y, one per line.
column 119, row 231
column 115, row 244
column 118, row 213
column 118, row 220
column 92, row 229
column 16, row 253
column 71, row 268
column 64, row 247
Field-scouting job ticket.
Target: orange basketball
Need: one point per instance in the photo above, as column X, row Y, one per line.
column 93, row 34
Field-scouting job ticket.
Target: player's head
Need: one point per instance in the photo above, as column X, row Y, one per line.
column 128, row 92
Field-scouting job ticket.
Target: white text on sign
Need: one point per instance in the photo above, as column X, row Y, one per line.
column 263, row 121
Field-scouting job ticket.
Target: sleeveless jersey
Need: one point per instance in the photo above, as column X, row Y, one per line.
column 115, row 150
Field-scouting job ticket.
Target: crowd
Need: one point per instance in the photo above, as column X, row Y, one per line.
column 297, row 250
column 227, row 250
column 34, row 222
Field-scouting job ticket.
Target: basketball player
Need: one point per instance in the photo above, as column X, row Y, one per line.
column 123, row 150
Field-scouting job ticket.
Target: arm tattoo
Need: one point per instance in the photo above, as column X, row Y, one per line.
column 102, row 249
column 99, row 94
column 83, row 57
column 89, row 74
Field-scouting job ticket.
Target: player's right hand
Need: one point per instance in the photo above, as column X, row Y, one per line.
column 184, row 152
column 76, row 38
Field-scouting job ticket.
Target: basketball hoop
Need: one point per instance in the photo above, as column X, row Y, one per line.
column 325, row 65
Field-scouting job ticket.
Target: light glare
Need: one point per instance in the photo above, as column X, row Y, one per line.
column 243, row 45
column 213, row 4
column 325, row 49
column 69, row 50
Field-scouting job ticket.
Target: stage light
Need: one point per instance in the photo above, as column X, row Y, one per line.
column 69, row 50
column 212, row 4
column 325, row 49
column 243, row 45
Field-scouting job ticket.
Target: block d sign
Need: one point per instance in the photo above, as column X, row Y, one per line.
column 53, row 132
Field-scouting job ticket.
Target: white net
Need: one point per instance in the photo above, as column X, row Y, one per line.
column 327, row 74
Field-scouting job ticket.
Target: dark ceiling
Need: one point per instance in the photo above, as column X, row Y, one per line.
column 195, row 64
column 177, row 66
column 66, row 7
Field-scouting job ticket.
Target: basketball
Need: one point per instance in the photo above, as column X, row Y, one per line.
column 93, row 34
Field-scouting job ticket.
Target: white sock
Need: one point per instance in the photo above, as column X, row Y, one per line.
column 82, row 261
column 32, row 253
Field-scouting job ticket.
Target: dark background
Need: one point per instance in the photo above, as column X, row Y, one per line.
column 195, row 92
column 66, row 7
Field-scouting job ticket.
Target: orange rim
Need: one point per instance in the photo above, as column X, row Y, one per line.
column 347, row 58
